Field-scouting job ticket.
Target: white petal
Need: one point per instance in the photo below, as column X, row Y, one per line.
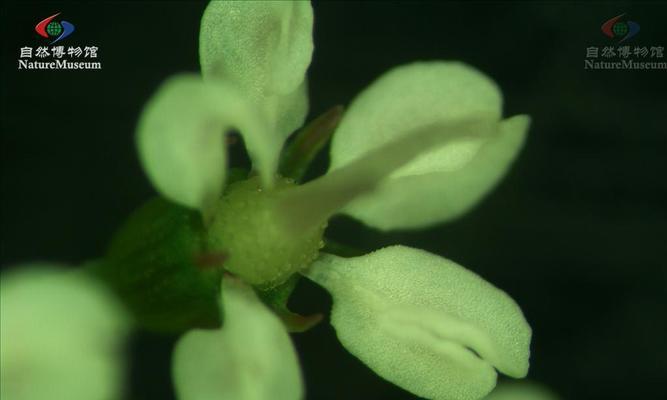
column 417, row 201
column 181, row 137
column 263, row 45
column 424, row 322
column 250, row 358
column 301, row 208
column 400, row 103
column 264, row 48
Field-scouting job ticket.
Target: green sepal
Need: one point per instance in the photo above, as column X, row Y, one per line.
column 341, row 249
column 158, row 264
column 308, row 142
column 276, row 299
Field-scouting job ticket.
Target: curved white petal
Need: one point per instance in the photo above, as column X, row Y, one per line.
column 263, row 45
column 250, row 358
column 401, row 102
column 291, row 110
column 424, row 322
column 180, row 137
column 264, row 48
column 420, row 200
column 301, row 208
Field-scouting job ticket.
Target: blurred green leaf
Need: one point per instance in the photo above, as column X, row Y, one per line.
column 61, row 334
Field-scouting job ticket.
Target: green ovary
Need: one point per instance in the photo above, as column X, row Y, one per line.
column 258, row 250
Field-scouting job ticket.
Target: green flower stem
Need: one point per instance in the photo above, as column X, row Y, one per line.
column 308, row 142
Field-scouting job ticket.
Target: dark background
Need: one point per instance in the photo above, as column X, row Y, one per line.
column 575, row 233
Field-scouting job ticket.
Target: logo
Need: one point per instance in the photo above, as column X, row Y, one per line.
column 48, row 28
column 614, row 28
column 53, row 55
column 622, row 56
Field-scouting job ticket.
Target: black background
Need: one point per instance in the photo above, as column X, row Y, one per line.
column 575, row 233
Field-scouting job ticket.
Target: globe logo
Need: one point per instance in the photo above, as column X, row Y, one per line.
column 620, row 29
column 624, row 30
column 54, row 29
column 48, row 28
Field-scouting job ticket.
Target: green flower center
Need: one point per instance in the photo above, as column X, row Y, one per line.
column 258, row 249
